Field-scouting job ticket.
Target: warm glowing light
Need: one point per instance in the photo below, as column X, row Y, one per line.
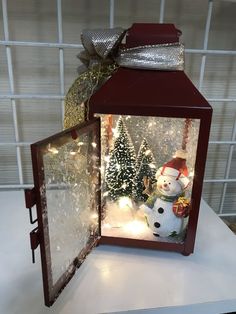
column 94, row 216
column 106, row 193
column 150, row 124
column 124, row 185
column 125, row 202
column 94, row 145
column 152, row 166
column 115, row 133
column 73, row 153
column 106, row 273
column 53, row 150
column 80, row 143
column 118, row 166
column 191, row 174
column 107, row 158
column 135, row 227
column 107, row 225
column 148, row 152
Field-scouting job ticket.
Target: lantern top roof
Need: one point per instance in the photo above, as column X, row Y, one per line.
column 146, row 92
column 150, row 92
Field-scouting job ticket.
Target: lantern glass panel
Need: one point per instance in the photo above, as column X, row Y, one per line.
column 71, row 177
column 133, row 150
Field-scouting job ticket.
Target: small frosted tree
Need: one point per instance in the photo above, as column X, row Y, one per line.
column 145, row 168
column 119, row 175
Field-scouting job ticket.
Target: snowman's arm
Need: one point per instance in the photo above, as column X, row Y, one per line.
column 151, row 200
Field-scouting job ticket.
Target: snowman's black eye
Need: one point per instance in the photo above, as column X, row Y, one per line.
column 164, row 180
column 169, row 183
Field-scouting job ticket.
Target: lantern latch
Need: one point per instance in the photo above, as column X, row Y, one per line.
column 30, row 201
column 34, row 242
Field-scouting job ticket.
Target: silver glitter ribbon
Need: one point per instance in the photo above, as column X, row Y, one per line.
column 103, row 46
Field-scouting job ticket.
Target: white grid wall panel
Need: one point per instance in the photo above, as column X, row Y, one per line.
column 39, row 41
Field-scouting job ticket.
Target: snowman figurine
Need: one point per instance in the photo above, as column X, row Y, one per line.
column 161, row 209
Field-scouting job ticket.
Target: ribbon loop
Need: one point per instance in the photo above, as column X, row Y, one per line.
column 102, row 46
column 99, row 44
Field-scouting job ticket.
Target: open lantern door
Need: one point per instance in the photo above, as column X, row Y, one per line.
column 66, row 177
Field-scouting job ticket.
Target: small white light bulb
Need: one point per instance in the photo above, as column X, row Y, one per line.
column 191, row 174
column 53, row 150
column 94, row 216
column 124, row 185
column 147, row 152
column 106, row 158
column 152, row 166
column 125, row 202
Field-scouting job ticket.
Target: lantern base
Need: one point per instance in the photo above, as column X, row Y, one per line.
column 144, row 244
column 185, row 253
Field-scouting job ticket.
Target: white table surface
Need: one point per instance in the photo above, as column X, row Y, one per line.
column 116, row 279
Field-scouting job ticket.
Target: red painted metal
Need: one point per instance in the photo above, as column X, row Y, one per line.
column 30, row 198
column 165, row 246
column 149, row 93
column 141, row 34
column 34, row 242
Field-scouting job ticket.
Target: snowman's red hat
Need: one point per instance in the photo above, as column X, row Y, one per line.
column 176, row 168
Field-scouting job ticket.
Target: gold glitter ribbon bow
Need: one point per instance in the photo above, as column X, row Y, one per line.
column 103, row 46
column 102, row 54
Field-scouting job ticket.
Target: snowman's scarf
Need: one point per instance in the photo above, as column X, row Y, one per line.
column 152, row 199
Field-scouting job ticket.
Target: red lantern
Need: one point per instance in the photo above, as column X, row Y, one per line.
column 90, row 187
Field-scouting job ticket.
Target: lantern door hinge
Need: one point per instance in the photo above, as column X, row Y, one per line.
column 30, row 201
column 34, row 242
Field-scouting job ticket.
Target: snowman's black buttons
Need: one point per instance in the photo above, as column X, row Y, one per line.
column 160, row 210
column 157, row 225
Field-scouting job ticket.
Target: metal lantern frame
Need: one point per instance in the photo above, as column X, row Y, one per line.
column 135, row 93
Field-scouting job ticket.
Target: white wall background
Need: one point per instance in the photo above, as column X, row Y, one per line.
column 36, row 70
